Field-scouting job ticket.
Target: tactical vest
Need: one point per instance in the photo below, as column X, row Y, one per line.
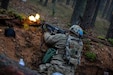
column 73, row 49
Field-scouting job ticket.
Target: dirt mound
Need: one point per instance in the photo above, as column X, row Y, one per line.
column 26, row 45
column 103, row 62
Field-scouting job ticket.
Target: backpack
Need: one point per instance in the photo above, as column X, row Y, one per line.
column 47, row 57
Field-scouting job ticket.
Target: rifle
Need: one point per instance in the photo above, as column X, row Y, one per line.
column 50, row 28
column 53, row 29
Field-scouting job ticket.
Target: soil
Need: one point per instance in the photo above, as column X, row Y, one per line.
column 28, row 45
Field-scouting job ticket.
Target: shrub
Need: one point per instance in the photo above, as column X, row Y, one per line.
column 110, row 40
column 90, row 56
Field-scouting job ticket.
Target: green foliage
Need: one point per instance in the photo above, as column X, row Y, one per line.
column 20, row 16
column 110, row 40
column 6, row 12
column 12, row 14
column 2, row 11
column 101, row 37
column 85, row 32
column 90, row 56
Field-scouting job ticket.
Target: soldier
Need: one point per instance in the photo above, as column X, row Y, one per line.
column 69, row 47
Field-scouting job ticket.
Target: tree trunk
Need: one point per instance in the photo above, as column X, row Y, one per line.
column 109, row 13
column 89, row 14
column 73, row 4
column 59, row 1
column 109, row 17
column 53, row 7
column 95, row 14
column 4, row 4
column 67, row 2
column 46, row 2
column 54, row 1
column 101, row 7
column 78, row 11
column 110, row 30
column 41, row 1
column 105, row 8
column 108, row 8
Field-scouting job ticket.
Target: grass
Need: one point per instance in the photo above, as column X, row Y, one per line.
column 90, row 56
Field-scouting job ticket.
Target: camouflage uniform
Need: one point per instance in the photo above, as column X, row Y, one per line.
column 57, row 64
column 68, row 47
column 58, row 41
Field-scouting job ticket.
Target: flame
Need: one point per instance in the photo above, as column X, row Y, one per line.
column 34, row 18
column 37, row 17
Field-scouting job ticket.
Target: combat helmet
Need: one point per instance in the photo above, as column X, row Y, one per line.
column 77, row 30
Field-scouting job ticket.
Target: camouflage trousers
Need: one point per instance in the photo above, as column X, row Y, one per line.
column 57, row 64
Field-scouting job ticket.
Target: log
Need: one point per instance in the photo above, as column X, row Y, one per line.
column 94, row 39
column 6, row 17
column 11, row 67
column 6, row 20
